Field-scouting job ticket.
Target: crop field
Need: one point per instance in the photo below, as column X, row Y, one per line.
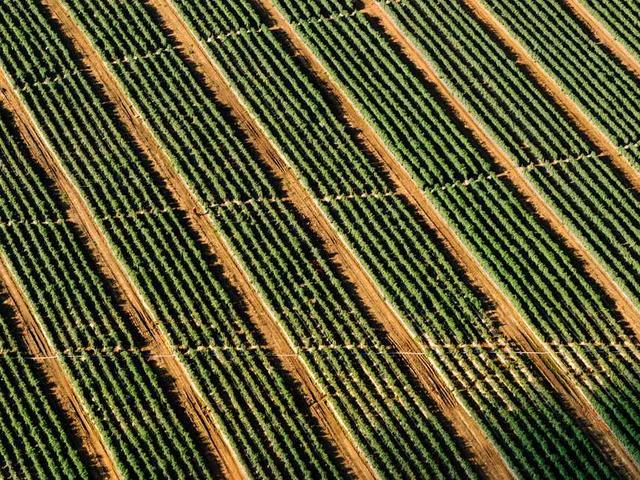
column 319, row 239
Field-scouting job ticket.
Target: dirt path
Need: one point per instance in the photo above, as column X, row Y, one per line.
column 335, row 246
column 39, row 346
column 604, row 36
column 81, row 217
column 259, row 314
column 514, row 326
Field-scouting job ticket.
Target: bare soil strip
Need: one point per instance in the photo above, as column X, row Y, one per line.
column 261, row 317
column 185, row 392
column 514, row 325
column 604, row 36
column 38, row 345
column 485, row 454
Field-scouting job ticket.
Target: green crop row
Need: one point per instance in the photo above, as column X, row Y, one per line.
column 398, row 251
column 123, row 395
column 311, row 300
column 167, row 265
column 589, row 194
column 622, row 18
column 36, row 441
column 600, row 84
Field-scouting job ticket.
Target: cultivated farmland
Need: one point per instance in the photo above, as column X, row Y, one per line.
column 319, row 239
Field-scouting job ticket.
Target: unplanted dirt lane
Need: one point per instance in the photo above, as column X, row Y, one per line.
column 551, row 86
column 319, row 225
column 515, row 174
column 517, row 326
